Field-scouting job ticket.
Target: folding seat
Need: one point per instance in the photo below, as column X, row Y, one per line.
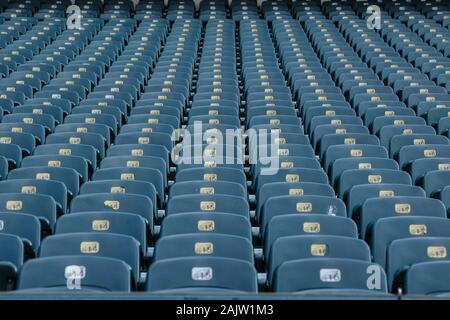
column 443, row 125
column 399, row 141
column 38, row 205
column 209, row 159
column 208, row 203
column 202, row 244
column 354, row 177
column 290, row 175
column 268, row 138
column 274, row 120
column 79, row 138
column 86, row 151
column 333, row 120
column 145, row 138
column 75, row 273
column 435, row 115
column 388, row 131
column 208, row 187
column 414, row 99
column 395, row 106
column 25, row 141
column 77, row 163
column 157, row 110
column 27, row 227
column 317, row 133
column 55, row 189
column 199, row 110
column 328, row 275
column 339, row 166
column 400, row 115
column 137, row 150
column 202, row 274
column 381, row 121
column 275, row 189
column 404, row 253
column 196, row 222
column 302, row 247
column 78, row 91
column 408, row 154
column 101, row 118
column 63, row 104
column 215, row 119
column 115, row 202
column 435, row 181
column 68, row 176
column 53, row 111
column 144, row 127
column 310, row 224
column 4, row 167
column 150, row 175
column 12, row 153
column 97, row 128
column 308, row 204
column 377, row 208
column 6, row 105
column 426, row 279
column 11, row 259
column 346, row 139
column 136, row 162
column 388, row 229
column 116, row 246
column 212, row 174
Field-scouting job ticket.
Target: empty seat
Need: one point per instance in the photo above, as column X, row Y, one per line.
column 203, row 244
column 202, row 274
column 75, row 273
column 377, row 208
column 11, row 259
column 68, row 176
column 324, row 275
column 426, row 279
column 208, row 204
column 386, row 230
column 207, row 187
column 351, row 178
column 435, row 181
column 274, row 189
column 115, row 202
column 314, row 246
column 404, row 253
column 38, row 205
column 152, row 176
column 117, row 246
column 312, row 204
column 105, row 222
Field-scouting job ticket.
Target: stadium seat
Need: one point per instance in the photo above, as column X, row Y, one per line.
column 120, row 247
column 202, row 274
column 404, row 253
column 290, row 248
column 75, row 273
column 426, row 279
column 11, row 259
column 202, row 244
column 324, row 275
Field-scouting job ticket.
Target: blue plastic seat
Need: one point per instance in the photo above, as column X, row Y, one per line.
column 324, row 275
column 203, row 244
column 11, row 259
column 117, row 246
column 75, row 273
column 202, row 274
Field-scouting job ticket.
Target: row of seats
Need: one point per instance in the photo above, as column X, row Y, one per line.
column 95, row 170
